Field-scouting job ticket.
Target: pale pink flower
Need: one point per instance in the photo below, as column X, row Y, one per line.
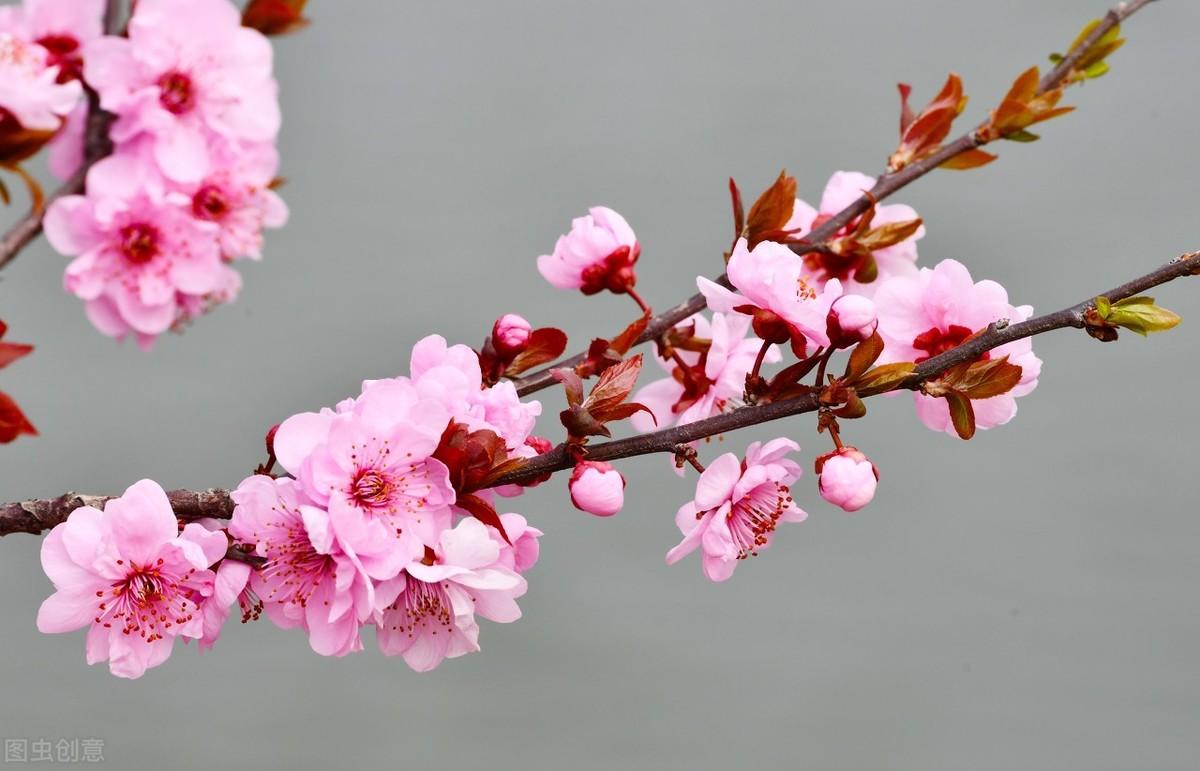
column 131, row 577
column 307, row 580
column 523, row 551
column 843, row 188
column 187, row 70
column 431, row 606
column 737, row 507
column 851, row 320
column 135, row 257
column 62, row 27
column 716, row 380
column 847, row 478
column 370, row 466
column 232, row 579
column 30, row 95
column 936, row 310
column 598, row 253
column 510, row 334
column 64, row 153
column 771, row 279
column 597, row 488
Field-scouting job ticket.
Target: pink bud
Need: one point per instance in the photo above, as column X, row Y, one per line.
column 851, row 320
column 541, row 445
column 510, row 334
column 597, row 488
column 848, row 478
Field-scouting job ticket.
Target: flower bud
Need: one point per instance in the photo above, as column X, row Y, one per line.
column 851, row 320
column 541, row 445
column 847, row 478
column 597, row 488
column 510, row 335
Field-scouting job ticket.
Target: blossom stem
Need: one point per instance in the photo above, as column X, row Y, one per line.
column 820, row 381
column 886, row 185
column 35, row 516
column 637, row 298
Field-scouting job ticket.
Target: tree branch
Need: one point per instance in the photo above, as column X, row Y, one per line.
column 885, row 186
column 35, row 516
column 96, row 145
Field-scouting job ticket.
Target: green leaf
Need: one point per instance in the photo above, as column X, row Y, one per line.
column 1095, row 70
column 1103, row 306
column 1022, row 135
column 1141, row 315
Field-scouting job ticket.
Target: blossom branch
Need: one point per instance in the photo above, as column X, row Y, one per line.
column 886, row 185
column 36, row 516
column 96, row 145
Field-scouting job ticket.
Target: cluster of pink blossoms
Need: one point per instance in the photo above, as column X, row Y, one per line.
column 187, row 190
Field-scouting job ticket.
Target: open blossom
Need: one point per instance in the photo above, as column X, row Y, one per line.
column 307, row 581
column 187, row 72
column 843, row 188
column 129, row 576
column 61, row 27
column 847, row 478
column 370, row 465
column 715, row 380
column 597, row 488
column 431, row 606
column 737, row 507
column 597, row 254
column 936, row 310
column 31, row 97
column 775, row 291
column 137, row 259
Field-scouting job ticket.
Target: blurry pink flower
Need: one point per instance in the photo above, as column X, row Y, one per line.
column 64, row 153
column 62, row 27
column 737, row 506
column 371, row 467
column 187, row 70
column 597, row 488
column 30, row 95
column 936, row 310
column 431, row 606
column 851, row 320
column 847, row 478
column 131, row 577
column 724, row 366
column 843, row 188
column 307, row 580
column 776, row 293
column 134, row 257
column 598, row 253
column 510, row 334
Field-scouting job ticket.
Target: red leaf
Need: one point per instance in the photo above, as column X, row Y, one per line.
column 13, row 422
column 613, row 387
column 484, row 512
column 10, row 352
column 622, row 411
column 772, row 210
column 962, row 414
column 275, row 17
column 572, row 383
column 863, row 356
column 629, row 336
column 545, row 344
column 739, row 215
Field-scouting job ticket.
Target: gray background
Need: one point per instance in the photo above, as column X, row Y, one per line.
column 1027, row 601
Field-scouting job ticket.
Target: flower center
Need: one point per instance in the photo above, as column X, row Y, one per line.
column 63, row 52
column 420, row 607
column 371, row 489
column 829, row 265
column 147, row 602
column 139, row 242
column 934, row 341
column 209, row 203
column 176, row 92
column 753, row 519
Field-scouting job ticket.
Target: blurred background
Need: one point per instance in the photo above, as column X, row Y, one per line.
column 1027, row 601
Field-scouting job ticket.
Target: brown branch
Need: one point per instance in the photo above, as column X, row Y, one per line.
column 35, row 516
column 96, row 145
column 885, row 186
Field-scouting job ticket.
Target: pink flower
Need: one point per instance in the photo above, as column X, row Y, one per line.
column 62, row 27
column 851, row 320
column 431, row 606
column 188, row 70
column 598, row 253
column 64, row 153
column 370, row 466
column 231, row 580
column 510, row 335
column 737, row 507
column 307, row 580
column 843, row 188
column 137, row 258
column 776, row 292
column 936, row 310
column 131, row 577
column 715, row 381
column 30, row 95
column 523, row 552
column 847, row 478
column 597, row 488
